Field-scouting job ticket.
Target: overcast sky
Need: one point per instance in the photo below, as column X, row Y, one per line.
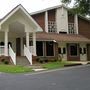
column 30, row 5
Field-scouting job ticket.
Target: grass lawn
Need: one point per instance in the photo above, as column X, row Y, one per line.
column 55, row 65
column 14, row 69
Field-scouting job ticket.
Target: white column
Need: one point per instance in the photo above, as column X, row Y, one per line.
column 34, row 43
column 46, row 21
column 76, row 23
column 6, row 43
column 27, row 40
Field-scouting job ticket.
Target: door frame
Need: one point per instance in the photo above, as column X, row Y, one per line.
column 18, row 46
column 73, row 58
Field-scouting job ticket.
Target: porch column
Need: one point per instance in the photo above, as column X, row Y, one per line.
column 76, row 23
column 27, row 40
column 46, row 21
column 6, row 43
column 34, row 43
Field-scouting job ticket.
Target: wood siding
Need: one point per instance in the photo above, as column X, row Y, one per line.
column 70, row 18
column 84, row 27
column 51, row 15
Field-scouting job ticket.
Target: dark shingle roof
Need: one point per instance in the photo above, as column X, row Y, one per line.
column 61, row 37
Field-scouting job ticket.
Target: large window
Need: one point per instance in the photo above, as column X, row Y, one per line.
column 52, row 26
column 73, row 50
column 71, row 28
column 49, row 49
column 39, row 48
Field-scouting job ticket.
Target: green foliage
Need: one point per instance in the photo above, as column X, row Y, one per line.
column 42, row 59
column 80, row 6
column 4, row 61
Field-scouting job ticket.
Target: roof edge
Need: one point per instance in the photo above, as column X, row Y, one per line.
column 49, row 8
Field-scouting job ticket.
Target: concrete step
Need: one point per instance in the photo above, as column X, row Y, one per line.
column 22, row 60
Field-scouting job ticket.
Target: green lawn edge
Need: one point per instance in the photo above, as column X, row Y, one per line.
column 14, row 69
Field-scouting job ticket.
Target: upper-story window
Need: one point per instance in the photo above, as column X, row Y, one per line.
column 52, row 26
column 71, row 28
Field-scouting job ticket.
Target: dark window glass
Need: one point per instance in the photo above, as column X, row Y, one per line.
column 80, row 50
column 63, row 32
column 59, row 50
column 1, row 43
column 64, row 50
column 84, row 50
column 73, row 50
column 39, row 48
column 49, row 49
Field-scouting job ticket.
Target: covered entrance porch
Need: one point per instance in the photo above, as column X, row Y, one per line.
column 18, row 35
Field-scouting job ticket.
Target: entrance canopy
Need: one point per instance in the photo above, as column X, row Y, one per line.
column 21, row 16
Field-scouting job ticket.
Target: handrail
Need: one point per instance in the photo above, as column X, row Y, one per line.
column 31, row 48
column 28, row 54
column 2, row 50
column 12, row 54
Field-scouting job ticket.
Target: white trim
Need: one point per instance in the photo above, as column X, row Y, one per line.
column 76, row 23
column 46, row 21
column 27, row 40
column 6, row 43
column 34, row 43
column 27, row 14
column 50, row 8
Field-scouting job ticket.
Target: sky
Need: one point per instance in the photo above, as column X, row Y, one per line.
column 30, row 5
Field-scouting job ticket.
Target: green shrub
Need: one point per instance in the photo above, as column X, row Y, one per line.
column 6, row 62
column 42, row 59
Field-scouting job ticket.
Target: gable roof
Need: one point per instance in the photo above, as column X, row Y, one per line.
column 25, row 11
column 55, row 7
column 50, row 8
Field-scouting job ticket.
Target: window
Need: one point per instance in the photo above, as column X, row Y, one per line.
column 1, row 43
column 80, row 50
column 51, row 26
column 73, row 50
column 84, row 50
column 64, row 50
column 49, row 49
column 39, row 48
column 59, row 50
column 71, row 29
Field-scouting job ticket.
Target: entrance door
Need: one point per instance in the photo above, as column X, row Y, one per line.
column 18, row 46
column 73, row 52
column 88, row 52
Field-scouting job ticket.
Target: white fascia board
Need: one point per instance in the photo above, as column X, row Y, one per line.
column 50, row 8
column 24, row 10
column 9, row 15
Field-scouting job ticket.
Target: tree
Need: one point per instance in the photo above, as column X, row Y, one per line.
column 81, row 7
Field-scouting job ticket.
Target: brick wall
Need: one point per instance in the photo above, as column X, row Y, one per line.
column 40, row 19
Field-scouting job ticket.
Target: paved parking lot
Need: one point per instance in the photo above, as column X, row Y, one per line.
column 77, row 78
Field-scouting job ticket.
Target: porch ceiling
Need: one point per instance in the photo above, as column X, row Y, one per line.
column 62, row 37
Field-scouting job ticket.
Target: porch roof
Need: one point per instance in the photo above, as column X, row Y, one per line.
column 42, row 36
column 25, row 13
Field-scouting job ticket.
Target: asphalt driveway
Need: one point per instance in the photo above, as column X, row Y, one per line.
column 77, row 78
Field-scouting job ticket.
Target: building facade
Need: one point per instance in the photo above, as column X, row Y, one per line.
column 53, row 33
column 65, row 35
